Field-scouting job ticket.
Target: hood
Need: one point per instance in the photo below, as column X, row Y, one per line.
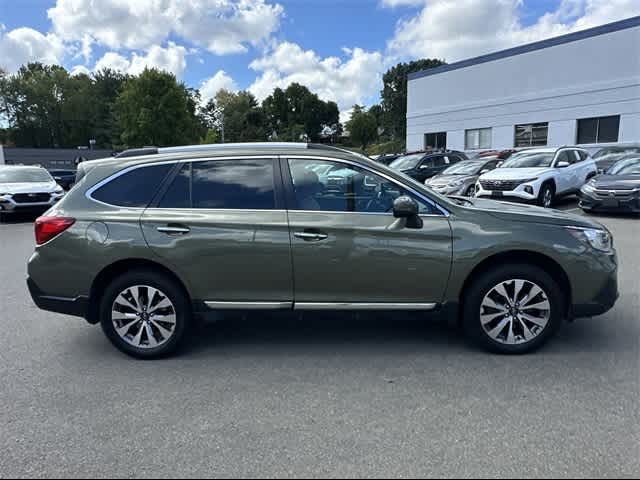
column 30, row 187
column 530, row 213
column 617, row 182
column 448, row 179
column 515, row 173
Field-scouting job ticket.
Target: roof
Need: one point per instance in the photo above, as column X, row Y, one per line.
column 531, row 47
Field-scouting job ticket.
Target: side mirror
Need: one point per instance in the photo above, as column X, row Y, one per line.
column 499, row 164
column 563, row 164
column 406, row 208
column 486, row 170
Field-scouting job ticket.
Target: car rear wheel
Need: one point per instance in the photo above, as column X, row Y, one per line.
column 145, row 314
column 513, row 309
column 546, row 196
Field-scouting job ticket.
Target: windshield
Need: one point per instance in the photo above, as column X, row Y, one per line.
column 529, row 160
column 626, row 167
column 605, row 152
column 24, row 175
column 468, row 167
column 407, row 162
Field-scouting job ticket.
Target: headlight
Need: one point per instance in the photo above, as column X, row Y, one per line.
column 589, row 187
column 598, row 239
column 530, row 180
column 457, row 183
column 58, row 191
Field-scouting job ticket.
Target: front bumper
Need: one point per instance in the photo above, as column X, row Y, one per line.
column 511, row 196
column 602, row 302
column 8, row 205
column 619, row 203
column 77, row 307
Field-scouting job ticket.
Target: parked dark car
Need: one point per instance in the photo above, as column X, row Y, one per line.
column 617, row 190
column 64, row 178
column 606, row 157
column 423, row 165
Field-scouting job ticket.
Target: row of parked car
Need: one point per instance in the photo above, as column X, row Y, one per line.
column 607, row 181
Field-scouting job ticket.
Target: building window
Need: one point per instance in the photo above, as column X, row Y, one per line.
column 477, row 138
column 598, row 130
column 435, row 140
column 531, row 134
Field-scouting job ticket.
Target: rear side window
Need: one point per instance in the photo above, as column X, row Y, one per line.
column 135, row 188
column 223, row 184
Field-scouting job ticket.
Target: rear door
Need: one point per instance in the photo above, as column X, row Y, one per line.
column 347, row 249
column 221, row 223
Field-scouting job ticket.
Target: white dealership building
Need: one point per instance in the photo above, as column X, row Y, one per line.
column 581, row 88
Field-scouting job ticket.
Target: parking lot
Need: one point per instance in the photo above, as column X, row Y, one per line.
column 318, row 395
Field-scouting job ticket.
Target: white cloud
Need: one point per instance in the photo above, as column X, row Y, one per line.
column 80, row 70
column 466, row 28
column 171, row 59
column 213, row 85
column 355, row 79
column 24, row 45
column 222, row 26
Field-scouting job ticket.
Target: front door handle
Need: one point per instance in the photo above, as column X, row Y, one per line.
column 170, row 230
column 311, row 236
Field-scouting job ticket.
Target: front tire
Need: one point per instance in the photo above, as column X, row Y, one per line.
column 145, row 314
column 546, row 196
column 471, row 191
column 514, row 309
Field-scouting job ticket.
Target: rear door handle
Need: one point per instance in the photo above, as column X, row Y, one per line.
column 169, row 230
column 311, row 237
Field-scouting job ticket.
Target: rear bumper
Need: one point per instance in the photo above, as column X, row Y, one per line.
column 76, row 307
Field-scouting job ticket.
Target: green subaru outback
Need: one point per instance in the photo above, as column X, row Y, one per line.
column 143, row 244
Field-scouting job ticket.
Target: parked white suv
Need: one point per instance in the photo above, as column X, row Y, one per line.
column 27, row 189
column 539, row 175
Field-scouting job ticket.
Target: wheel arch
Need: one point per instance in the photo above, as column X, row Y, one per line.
column 118, row 268
column 529, row 257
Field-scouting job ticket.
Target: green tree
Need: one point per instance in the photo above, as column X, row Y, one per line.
column 154, row 109
column 107, row 85
column 297, row 113
column 394, row 95
column 362, row 127
column 240, row 117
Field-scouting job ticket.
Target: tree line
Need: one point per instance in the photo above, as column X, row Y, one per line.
column 45, row 106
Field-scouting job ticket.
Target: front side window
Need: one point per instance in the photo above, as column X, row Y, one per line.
column 134, row 189
column 406, row 162
column 347, row 188
column 599, row 129
column 477, row 138
column 223, row 184
column 531, row 134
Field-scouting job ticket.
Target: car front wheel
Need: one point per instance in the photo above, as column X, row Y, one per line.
column 513, row 309
column 546, row 196
column 145, row 314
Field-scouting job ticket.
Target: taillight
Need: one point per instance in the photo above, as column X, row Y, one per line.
column 50, row 227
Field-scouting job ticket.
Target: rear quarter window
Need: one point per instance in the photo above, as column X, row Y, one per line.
column 135, row 188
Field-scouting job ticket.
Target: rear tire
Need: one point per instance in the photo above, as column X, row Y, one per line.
column 145, row 314
column 547, row 195
column 517, row 328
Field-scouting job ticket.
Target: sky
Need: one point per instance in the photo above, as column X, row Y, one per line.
column 338, row 48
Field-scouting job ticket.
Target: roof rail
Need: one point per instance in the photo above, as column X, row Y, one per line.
column 135, row 152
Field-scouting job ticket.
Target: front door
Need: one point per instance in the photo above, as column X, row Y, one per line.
column 347, row 248
column 223, row 228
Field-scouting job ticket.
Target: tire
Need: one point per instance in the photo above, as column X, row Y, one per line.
column 547, row 195
column 482, row 323
column 166, row 315
column 471, row 191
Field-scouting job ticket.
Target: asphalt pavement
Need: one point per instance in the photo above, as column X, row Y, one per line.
column 318, row 395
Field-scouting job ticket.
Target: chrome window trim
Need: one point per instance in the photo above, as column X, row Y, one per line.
column 363, row 306
column 437, row 206
column 88, row 194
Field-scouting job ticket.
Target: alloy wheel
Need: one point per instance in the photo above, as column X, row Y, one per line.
column 515, row 312
column 547, row 199
column 144, row 317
